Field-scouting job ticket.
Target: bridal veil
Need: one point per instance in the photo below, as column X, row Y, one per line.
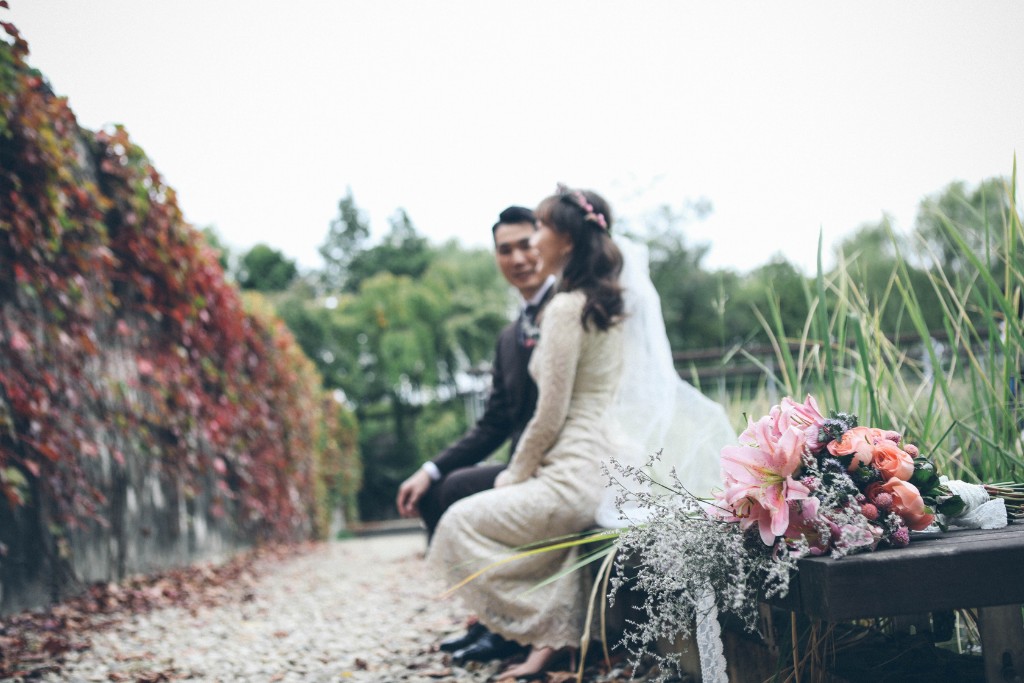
column 654, row 409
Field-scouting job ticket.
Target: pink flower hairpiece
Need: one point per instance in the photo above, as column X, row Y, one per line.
column 578, row 198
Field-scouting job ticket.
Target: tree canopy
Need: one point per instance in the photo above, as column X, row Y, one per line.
column 266, row 270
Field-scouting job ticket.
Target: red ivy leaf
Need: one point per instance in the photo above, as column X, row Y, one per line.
column 13, row 498
column 19, row 342
column 45, row 450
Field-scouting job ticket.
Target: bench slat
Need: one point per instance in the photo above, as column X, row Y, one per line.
column 965, row 568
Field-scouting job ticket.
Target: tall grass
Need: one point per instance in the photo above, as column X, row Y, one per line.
column 954, row 392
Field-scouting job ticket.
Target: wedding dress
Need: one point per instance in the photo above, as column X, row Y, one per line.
column 602, row 395
column 558, row 484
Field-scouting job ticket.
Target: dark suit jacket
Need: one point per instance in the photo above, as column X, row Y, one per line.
column 509, row 407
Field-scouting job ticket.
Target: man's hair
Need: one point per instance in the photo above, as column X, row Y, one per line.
column 513, row 215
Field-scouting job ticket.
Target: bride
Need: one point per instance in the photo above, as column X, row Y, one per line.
column 597, row 333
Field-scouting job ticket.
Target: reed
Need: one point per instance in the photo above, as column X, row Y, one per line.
column 955, row 392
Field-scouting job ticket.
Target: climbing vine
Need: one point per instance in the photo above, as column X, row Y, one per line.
column 116, row 321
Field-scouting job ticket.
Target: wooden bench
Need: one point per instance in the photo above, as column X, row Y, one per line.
column 957, row 569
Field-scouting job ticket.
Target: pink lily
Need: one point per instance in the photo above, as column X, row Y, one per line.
column 759, row 485
column 805, row 416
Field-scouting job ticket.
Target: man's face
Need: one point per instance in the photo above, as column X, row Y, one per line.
column 517, row 260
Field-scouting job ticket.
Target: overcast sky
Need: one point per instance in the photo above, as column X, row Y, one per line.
column 790, row 117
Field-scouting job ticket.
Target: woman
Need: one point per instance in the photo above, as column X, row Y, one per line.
column 554, row 482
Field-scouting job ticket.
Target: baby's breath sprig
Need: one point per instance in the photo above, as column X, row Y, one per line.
column 677, row 555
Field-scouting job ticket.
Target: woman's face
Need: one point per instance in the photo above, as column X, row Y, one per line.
column 553, row 248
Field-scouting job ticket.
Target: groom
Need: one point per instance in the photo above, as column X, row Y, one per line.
column 456, row 472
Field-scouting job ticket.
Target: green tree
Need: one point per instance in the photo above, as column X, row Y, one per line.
column 396, row 348
column 692, row 298
column 346, row 238
column 394, row 331
column 980, row 215
column 478, row 298
column 403, row 251
column 314, row 320
column 874, row 256
column 776, row 286
column 266, row 270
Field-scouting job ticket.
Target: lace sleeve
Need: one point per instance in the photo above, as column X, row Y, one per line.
column 557, row 356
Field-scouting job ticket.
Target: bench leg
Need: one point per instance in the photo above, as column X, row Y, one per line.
column 1002, row 642
column 767, row 628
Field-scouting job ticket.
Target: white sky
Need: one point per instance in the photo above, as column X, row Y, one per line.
column 789, row 116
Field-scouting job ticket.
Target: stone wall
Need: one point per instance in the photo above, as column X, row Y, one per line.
column 150, row 415
column 150, row 519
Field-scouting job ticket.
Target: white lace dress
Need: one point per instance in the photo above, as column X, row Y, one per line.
column 558, row 485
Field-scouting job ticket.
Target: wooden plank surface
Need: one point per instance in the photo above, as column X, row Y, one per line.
column 965, row 568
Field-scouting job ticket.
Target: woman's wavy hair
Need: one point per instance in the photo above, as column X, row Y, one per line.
column 595, row 262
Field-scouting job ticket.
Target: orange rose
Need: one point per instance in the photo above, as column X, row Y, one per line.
column 908, row 504
column 873, row 490
column 892, row 461
column 858, row 442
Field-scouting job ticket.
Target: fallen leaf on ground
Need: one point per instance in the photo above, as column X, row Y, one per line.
column 31, row 637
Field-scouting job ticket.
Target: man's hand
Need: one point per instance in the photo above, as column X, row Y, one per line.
column 410, row 492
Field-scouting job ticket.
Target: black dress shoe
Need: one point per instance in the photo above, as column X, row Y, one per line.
column 459, row 642
column 487, row 647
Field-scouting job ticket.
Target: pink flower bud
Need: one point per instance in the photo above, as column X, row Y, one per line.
column 869, row 511
column 901, row 537
column 883, row 501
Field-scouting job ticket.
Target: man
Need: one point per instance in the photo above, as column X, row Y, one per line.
column 455, row 473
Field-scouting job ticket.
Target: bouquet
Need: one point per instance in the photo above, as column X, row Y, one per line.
column 827, row 486
column 797, row 484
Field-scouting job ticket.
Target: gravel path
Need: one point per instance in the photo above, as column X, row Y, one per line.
column 357, row 610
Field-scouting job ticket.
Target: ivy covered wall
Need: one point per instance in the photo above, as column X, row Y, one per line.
column 148, row 415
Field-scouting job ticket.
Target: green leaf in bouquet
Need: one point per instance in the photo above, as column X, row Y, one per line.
column 924, row 477
column 951, row 506
column 862, row 476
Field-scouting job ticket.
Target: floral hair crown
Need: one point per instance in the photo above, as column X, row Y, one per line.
column 580, row 200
